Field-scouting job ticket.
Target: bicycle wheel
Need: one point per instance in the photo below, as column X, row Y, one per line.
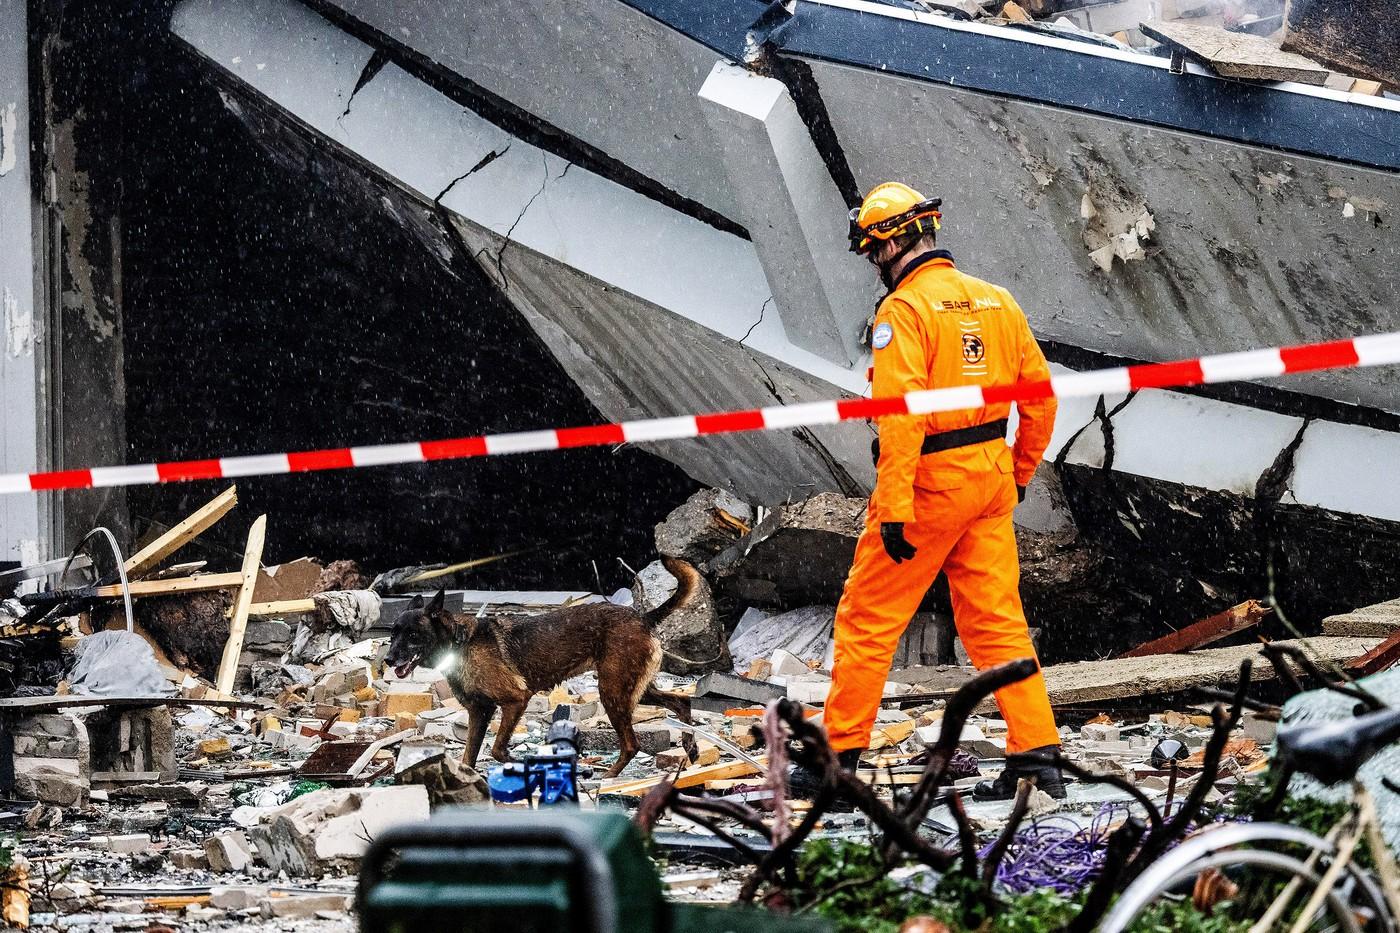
column 1355, row 895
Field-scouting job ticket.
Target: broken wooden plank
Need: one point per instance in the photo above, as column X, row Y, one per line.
column 282, row 607
column 1359, row 37
column 191, row 527
column 1236, row 55
column 252, row 559
column 1380, row 658
column 1207, row 631
column 1121, row 678
column 688, row 778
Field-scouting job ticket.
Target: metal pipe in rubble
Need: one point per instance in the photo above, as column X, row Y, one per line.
column 121, row 569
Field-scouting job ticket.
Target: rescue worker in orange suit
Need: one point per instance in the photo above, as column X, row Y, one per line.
column 946, row 485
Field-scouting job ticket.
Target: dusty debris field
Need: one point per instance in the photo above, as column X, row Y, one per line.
column 225, row 763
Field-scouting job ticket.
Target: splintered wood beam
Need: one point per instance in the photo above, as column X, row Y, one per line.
column 186, row 531
column 1197, row 635
column 690, row 777
column 196, row 584
column 1379, row 658
column 252, row 560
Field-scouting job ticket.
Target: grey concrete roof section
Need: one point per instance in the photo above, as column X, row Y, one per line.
column 601, row 71
column 655, row 313
column 1148, row 243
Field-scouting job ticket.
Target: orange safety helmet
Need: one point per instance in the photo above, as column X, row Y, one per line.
column 891, row 209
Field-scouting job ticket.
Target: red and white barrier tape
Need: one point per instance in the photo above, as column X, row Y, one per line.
column 1227, row 367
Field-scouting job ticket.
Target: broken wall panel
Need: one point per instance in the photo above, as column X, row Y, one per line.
column 1189, row 552
column 635, row 359
column 578, row 219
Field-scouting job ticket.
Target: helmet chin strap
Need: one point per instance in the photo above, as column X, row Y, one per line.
column 887, row 267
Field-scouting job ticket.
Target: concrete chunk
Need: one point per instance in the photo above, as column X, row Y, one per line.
column 718, row 692
column 692, row 634
column 228, row 851
column 305, row 905
column 1379, row 621
column 702, row 526
column 236, row 897
column 798, row 555
column 330, row 829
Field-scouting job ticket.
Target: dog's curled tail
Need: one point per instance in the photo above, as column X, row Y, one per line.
column 686, row 579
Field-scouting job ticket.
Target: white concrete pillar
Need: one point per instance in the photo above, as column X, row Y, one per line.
column 794, row 212
column 22, row 355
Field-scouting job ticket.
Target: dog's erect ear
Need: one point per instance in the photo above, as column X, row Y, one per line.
column 438, row 601
column 416, row 602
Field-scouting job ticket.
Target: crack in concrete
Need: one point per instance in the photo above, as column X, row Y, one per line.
column 501, row 254
column 1274, row 481
column 1107, row 420
column 766, row 302
column 377, row 60
column 484, row 161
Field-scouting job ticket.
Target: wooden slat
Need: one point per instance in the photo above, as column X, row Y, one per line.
column 197, row 584
column 186, row 531
column 687, row 778
column 282, row 607
column 252, row 559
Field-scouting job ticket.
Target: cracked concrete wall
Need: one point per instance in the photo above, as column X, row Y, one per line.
column 1140, row 242
column 635, row 359
column 1247, row 504
column 22, row 520
column 633, row 246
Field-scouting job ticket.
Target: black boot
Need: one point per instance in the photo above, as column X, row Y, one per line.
column 805, row 783
column 1025, row 765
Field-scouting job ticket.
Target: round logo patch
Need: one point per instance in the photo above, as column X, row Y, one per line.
column 973, row 350
column 881, row 336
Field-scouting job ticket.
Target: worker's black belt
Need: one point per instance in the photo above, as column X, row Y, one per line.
column 951, row 440
column 964, row 437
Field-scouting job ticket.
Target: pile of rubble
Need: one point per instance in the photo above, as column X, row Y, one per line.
column 1348, row 47
column 227, row 753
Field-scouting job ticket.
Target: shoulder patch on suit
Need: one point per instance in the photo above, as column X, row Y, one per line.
column 881, row 336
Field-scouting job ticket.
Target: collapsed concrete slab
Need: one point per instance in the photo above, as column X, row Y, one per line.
column 1379, row 621
column 1092, row 681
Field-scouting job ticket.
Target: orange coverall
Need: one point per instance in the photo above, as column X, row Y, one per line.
column 943, row 328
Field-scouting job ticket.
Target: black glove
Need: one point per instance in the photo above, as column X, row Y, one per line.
column 900, row 550
column 1020, row 494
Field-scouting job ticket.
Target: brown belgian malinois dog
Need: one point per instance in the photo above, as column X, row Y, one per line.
column 496, row 663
